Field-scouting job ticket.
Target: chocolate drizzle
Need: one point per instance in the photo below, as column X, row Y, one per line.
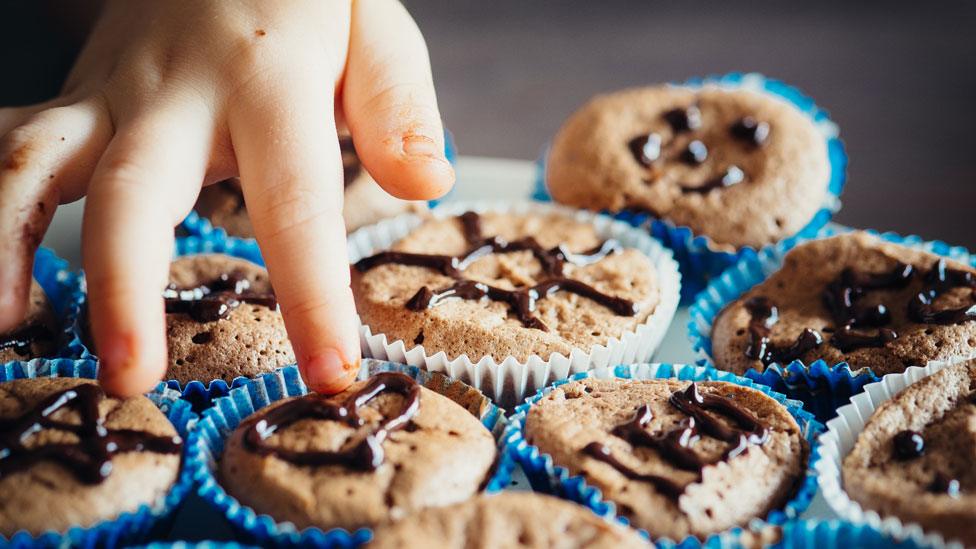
column 942, row 484
column 847, row 340
column 362, row 451
column 215, row 299
column 939, row 280
column 600, row 452
column 764, row 316
column 843, row 298
column 648, row 148
column 842, row 295
column 90, row 458
column 683, row 120
column 750, row 130
column 907, row 445
column 695, row 153
column 22, row 339
column 521, row 301
column 741, row 430
column 733, row 175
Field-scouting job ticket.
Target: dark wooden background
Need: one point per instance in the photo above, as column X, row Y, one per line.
column 898, row 77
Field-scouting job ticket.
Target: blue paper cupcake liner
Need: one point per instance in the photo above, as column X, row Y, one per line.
column 820, row 534
column 64, row 288
column 698, row 260
column 450, row 151
column 546, row 476
column 196, row 225
column 820, row 386
column 132, row 527
column 207, row 444
column 197, row 545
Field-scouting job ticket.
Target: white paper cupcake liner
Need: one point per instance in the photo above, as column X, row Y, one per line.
column 510, row 380
column 839, row 440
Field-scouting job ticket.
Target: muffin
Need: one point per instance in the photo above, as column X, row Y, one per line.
column 914, row 458
column 37, row 336
column 739, row 167
column 505, row 285
column 508, row 519
column 222, row 320
column 851, row 298
column 677, row 458
column 58, row 469
column 385, row 447
column 365, row 201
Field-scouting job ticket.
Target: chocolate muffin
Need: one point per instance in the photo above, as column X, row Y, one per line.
column 37, row 336
column 508, row 519
column 222, row 320
column 677, row 458
column 740, row 167
column 385, row 447
column 851, row 298
column 365, row 201
column 70, row 456
column 914, row 458
column 504, row 284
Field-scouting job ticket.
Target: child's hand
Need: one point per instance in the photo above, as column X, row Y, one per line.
column 169, row 94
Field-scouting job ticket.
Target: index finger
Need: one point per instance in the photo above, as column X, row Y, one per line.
column 290, row 164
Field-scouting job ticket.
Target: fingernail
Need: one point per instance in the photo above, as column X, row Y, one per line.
column 118, row 352
column 421, row 145
column 329, row 373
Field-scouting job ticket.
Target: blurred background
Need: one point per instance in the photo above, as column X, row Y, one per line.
column 899, row 77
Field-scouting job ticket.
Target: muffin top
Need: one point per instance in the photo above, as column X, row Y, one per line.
column 365, row 201
column 677, row 458
column 37, row 336
column 381, row 449
column 851, row 298
column 222, row 320
column 507, row 519
column 54, row 471
column 914, row 458
column 505, row 285
column 740, row 167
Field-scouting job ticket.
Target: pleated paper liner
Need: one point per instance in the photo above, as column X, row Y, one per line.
column 839, row 440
